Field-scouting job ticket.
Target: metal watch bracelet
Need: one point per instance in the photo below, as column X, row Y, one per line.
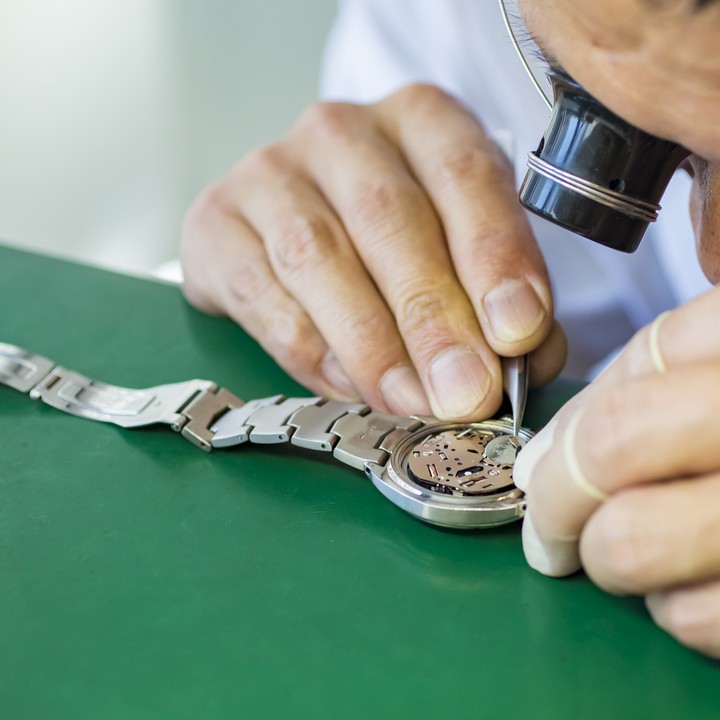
column 212, row 417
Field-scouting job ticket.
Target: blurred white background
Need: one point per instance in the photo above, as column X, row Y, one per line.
column 114, row 114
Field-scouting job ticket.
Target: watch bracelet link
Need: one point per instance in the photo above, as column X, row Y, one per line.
column 212, row 417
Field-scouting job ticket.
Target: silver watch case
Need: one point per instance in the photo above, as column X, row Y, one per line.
column 394, row 481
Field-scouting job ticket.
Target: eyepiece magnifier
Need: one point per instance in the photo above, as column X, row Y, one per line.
column 594, row 173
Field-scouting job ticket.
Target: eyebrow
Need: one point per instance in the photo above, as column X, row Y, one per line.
column 532, row 43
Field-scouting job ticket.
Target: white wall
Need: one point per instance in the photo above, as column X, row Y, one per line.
column 114, row 113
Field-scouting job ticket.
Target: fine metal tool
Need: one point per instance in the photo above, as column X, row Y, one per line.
column 515, row 380
column 457, row 475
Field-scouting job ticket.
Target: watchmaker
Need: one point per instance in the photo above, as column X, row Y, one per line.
column 379, row 252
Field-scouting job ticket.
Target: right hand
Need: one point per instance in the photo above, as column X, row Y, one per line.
column 379, row 252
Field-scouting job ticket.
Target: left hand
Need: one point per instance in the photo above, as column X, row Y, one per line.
column 625, row 480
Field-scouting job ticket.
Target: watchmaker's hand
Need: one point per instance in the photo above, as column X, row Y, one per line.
column 625, row 481
column 379, row 251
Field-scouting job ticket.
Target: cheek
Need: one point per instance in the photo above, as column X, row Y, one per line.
column 705, row 212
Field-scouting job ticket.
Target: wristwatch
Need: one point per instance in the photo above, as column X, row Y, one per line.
column 456, row 475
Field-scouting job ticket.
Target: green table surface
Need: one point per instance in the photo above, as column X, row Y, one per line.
column 143, row 578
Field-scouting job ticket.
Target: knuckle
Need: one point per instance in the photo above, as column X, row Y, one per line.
column 377, row 197
column 418, row 309
column 627, row 560
column 328, row 119
column 248, row 281
column 217, row 200
column 423, row 96
column 290, row 333
column 196, row 295
column 262, row 161
column 502, row 236
column 460, row 166
column 363, row 325
column 301, row 241
column 211, row 203
column 636, row 357
column 613, row 439
column 380, row 204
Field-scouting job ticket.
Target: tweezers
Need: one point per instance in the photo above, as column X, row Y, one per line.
column 515, row 380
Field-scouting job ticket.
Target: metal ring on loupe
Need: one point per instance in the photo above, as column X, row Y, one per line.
column 632, row 207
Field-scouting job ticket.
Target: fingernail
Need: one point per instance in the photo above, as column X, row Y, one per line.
column 459, row 382
column 556, row 558
column 514, row 310
column 335, row 375
column 529, row 457
column 656, row 604
column 403, row 393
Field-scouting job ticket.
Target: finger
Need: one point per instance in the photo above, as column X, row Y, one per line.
column 227, row 271
column 691, row 615
column 547, row 361
column 614, row 440
column 400, row 241
column 674, row 340
column 471, row 185
column 313, row 259
column 680, row 339
column 644, row 540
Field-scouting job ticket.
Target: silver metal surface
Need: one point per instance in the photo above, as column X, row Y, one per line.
column 630, row 206
column 270, row 423
column 186, row 406
column 503, row 450
column 361, row 437
column 355, row 435
column 445, row 505
column 79, row 395
column 313, row 423
column 201, row 412
column 516, row 382
column 403, row 456
column 21, row 369
column 233, row 428
column 391, row 440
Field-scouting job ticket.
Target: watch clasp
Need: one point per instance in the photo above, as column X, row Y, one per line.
column 79, row 395
column 20, row 369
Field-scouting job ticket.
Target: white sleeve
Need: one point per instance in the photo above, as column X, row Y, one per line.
column 377, row 46
column 370, row 51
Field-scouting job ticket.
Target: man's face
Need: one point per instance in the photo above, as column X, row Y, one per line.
column 655, row 63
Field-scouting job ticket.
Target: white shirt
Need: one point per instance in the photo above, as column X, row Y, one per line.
column 601, row 296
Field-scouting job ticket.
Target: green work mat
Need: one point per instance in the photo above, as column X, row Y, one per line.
column 143, row 578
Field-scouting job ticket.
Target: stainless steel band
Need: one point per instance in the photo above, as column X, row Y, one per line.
column 183, row 405
column 353, row 433
column 211, row 417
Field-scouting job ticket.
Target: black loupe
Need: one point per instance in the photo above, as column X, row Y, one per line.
column 596, row 174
